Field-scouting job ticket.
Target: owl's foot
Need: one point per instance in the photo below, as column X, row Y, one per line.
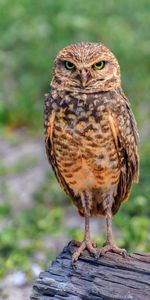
column 86, row 244
column 110, row 246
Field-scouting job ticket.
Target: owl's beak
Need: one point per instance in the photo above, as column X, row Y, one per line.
column 84, row 77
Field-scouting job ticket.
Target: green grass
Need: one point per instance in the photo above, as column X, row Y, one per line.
column 20, row 239
column 33, row 32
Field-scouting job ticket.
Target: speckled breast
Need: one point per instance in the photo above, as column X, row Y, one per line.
column 83, row 142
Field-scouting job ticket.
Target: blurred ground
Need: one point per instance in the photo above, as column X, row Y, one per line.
column 21, row 187
column 30, row 154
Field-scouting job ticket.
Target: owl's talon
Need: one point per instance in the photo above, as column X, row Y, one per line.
column 73, row 265
column 125, row 254
column 97, row 256
column 84, row 245
column 110, row 247
column 93, row 254
column 94, row 244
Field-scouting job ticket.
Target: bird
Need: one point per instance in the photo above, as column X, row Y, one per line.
column 91, row 136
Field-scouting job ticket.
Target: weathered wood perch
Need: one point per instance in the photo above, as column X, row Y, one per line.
column 111, row 277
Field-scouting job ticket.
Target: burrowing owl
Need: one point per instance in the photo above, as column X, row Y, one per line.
column 91, row 135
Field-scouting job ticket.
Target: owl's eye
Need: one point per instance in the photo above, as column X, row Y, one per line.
column 99, row 65
column 69, row 65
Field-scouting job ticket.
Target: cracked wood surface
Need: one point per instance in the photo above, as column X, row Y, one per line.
column 109, row 277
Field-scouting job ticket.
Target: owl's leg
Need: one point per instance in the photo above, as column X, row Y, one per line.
column 87, row 243
column 110, row 244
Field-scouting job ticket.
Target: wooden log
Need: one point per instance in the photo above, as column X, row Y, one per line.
column 109, row 277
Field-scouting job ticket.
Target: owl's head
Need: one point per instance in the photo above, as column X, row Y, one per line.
column 86, row 67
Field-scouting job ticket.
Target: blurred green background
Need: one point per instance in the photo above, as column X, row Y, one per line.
column 31, row 34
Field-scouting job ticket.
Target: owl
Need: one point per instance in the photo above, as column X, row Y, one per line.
column 91, row 136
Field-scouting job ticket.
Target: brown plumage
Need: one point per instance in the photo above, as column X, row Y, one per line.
column 91, row 135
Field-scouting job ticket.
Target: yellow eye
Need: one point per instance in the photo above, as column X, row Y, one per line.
column 99, row 65
column 69, row 65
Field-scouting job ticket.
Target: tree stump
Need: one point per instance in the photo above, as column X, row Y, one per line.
column 109, row 277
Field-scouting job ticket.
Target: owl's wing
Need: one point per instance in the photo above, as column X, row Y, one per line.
column 50, row 113
column 124, row 130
